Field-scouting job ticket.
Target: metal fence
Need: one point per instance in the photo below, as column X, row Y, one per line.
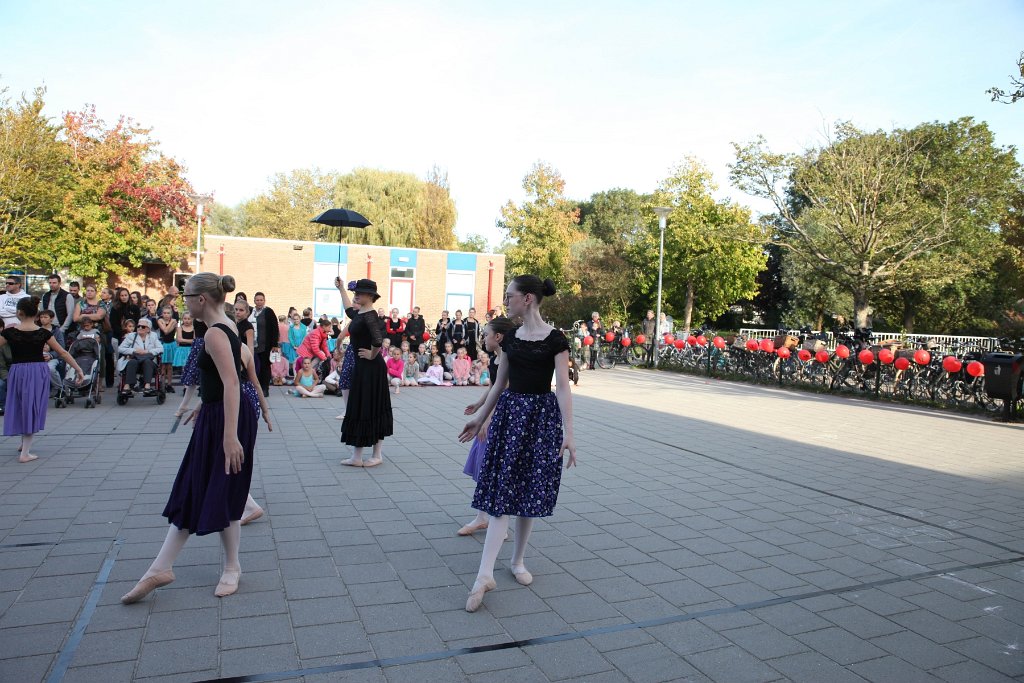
column 944, row 343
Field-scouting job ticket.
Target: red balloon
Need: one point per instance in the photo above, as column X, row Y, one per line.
column 691, row 340
column 922, row 357
column 679, row 343
column 822, row 356
column 751, row 345
column 641, row 339
column 866, row 357
column 702, row 340
column 426, row 336
column 804, row 355
column 588, row 341
column 626, row 341
column 843, row 351
column 768, row 345
column 886, row 356
column 718, row 342
column 669, row 339
column 975, row 369
column 609, row 337
column 783, row 352
column 902, row 363
column 951, row 364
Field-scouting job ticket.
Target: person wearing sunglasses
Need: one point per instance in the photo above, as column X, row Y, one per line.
column 9, row 300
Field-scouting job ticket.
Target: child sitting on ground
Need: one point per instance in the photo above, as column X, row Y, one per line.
column 480, row 374
column 449, row 358
column 435, row 374
column 307, row 382
column 396, row 369
column 424, row 358
column 278, row 366
column 412, row 370
column 461, row 368
column 337, row 358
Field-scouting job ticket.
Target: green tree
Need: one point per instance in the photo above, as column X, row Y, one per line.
column 710, row 261
column 33, row 179
column 542, row 229
column 436, row 228
column 598, row 278
column 474, row 242
column 285, row 209
column 867, row 206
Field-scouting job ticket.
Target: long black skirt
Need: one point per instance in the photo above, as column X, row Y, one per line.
column 368, row 417
column 203, row 499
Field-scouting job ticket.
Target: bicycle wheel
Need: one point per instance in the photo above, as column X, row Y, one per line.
column 605, row 359
column 636, row 355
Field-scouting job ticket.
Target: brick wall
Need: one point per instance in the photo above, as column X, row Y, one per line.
column 283, row 270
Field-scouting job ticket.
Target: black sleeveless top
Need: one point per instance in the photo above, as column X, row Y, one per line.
column 209, row 378
column 531, row 363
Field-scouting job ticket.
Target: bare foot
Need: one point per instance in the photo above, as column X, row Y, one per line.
column 373, row 462
column 27, row 457
column 352, row 462
column 340, row 417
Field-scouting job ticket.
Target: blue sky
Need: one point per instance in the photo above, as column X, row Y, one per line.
column 612, row 94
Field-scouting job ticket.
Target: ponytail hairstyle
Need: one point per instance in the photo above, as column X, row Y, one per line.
column 214, row 286
column 29, row 306
column 531, row 284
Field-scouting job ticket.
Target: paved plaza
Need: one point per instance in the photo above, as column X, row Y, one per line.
column 712, row 531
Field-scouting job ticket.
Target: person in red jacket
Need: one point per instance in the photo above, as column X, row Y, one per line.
column 394, row 328
column 314, row 346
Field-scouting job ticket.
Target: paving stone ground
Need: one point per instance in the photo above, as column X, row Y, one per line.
column 712, row 531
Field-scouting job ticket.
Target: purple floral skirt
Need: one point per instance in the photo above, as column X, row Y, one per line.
column 190, row 373
column 522, row 463
column 348, row 366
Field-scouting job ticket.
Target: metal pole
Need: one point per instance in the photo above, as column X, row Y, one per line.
column 199, row 233
column 663, row 213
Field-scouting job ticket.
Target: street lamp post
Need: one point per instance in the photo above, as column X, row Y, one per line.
column 663, row 212
column 199, row 200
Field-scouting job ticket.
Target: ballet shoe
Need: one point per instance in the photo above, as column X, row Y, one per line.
column 253, row 517
column 476, row 596
column 523, row 577
column 225, row 588
column 146, row 586
column 470, row 529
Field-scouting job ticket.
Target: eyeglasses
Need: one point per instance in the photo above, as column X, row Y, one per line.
column 12, row 284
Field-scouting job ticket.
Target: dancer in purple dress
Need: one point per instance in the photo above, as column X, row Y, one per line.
column 210, row 491
column 28, row 379
column 530, row 429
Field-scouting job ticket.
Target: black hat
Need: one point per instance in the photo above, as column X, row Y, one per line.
column 366, row 286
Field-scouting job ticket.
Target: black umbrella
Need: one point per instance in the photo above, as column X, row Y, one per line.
column 341, row 218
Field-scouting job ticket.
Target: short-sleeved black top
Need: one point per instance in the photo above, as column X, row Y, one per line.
column 26, row 347
column 209, row 378
column 365, row 329
column 531, row 363
column 243, row 326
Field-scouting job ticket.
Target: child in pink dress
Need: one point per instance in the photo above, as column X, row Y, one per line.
column 461, row 367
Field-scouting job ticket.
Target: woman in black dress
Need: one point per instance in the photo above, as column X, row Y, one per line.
column 210, row 491
column 368, row 417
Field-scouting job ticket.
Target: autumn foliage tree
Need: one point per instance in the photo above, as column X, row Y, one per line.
column 541, row 230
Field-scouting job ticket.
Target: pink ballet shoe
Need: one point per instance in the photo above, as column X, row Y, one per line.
column 476, row 596
column 147, row 586
column 524, row 577
column 226, row 588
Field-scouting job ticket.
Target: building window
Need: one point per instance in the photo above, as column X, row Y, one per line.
column 459, row 288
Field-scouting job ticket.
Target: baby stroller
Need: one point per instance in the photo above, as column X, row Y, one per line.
column 86, row 352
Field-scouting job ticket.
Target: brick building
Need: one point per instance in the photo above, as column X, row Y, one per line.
column 298, row 273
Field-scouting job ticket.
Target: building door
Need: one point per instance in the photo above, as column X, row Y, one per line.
column 401, row 295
